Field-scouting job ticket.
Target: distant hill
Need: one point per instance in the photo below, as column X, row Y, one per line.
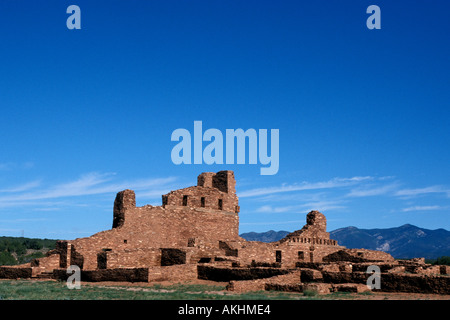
column 268, row 236
column 406, row 241
column 402, row 242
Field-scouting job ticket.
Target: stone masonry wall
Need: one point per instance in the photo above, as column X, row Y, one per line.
column 157, row 227
column 214, row 191
column 193, row 226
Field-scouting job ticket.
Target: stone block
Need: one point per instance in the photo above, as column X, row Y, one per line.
column 351, row 287
column 310, row 275
column 317, row 288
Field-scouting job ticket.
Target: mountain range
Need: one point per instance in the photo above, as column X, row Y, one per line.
column 404, row 242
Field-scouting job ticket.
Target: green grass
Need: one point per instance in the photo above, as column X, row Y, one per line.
column 55, row 290
column 52, row 290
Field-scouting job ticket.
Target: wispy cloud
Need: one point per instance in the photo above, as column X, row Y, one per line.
column 420, row 191
column 7, row 166
column 333, row 183
column 373, row 191
column 422, row 208
column 22, row 187
column 301, row 208
column 88, row 184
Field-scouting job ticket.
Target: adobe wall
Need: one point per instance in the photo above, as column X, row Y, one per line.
column 156, row 227
column 196, row 217
column 215, row 191
column 46, row 264
column 201, row 197
column 249, row 251
column 122, row 274
column 202, row 221
column 315, row 230
column 185, row 272
column 287, row 253
column 15, row 272
column 309, row 244
column 358, row 255
column 129, row 258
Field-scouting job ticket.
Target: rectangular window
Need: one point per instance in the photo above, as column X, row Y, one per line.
column 202, row 200
column 185, row 198
column 278, row 256
column 220, row 204
column 301, row 255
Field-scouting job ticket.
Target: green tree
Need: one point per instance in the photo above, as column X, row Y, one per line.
column 6, row 258
column 444, row 260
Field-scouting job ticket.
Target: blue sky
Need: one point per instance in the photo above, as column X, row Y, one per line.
column 363, row 114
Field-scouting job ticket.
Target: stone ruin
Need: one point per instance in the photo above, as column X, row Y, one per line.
column 194, row 234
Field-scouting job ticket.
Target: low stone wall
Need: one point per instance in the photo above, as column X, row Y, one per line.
column 240, row 286
column 289, row 282
column 228, row 274
column 358, row 255
column 46, row 264
column 394, row 282
column 15, row 272
column 120, row 274
column 184, row 272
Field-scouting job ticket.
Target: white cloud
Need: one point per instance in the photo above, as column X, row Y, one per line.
column 422, row 208
column 23, row 187
column 302, row 208
column 419, row 191
column 376, row 191
column 88, row 184
column 12, row 166
column 333, row 183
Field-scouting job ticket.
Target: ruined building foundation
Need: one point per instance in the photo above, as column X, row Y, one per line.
column 195, row 234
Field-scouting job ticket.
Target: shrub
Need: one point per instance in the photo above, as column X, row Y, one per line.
column 6, row 258
column 310, row 293
column 444, row 260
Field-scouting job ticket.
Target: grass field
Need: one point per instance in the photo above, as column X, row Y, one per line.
column 52, row 290
column 55, row 290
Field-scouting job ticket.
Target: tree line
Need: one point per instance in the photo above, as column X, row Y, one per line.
column 16, row 250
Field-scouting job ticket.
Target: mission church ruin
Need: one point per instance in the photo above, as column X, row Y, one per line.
column 195, row 234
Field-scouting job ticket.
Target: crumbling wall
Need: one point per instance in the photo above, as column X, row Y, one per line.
column 214, row 273
column 358, row 255
column 315, row 228
column 119, row 274
column 214, row 191
column 249, row 251
column 125, row 200
column 181, row 272
column 129, row 258
column 15, row 272
column 172, row 256
column 46, row 264
column 155, row 227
